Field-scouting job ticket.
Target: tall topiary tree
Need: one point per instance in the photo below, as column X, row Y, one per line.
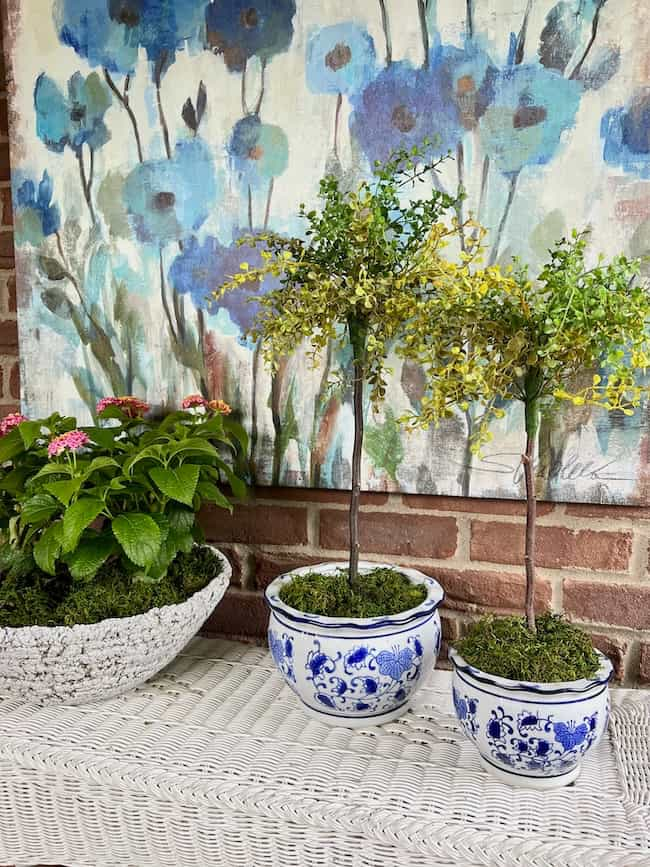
column 575, row 333
column 366, row 255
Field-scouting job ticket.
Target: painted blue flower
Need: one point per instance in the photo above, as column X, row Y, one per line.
column 468, row 75
column 626, row 131
column 73, row 120
column 356, row 657
column 340, row 58
column 168, row 200
column 531, row 108
column 258, row 151
column 569, row 734
column 202, row 268
column 395, row 662
column 241, row 29
column 35, row 216
column 401, row 107
column 87, row 26
column 277, row 648
column 109, row 32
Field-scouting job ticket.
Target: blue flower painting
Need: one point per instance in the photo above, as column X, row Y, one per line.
column 153, row 138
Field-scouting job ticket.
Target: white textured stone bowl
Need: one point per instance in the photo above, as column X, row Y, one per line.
column 532, row 735
column 355, row 672
column 89, row 662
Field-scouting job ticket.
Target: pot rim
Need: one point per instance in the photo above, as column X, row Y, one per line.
column 602, row 676
column 87, row 629
column 434, row 598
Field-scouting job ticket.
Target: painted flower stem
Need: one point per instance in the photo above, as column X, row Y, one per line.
column 123, row 99
column 337, row 120
column 163, row 297
column 521, row 39
column 86, row 181
column 424, row 32
column 260, row 98
column 157, row 79
column 276, row 415
column 250, row 208
column 504, row 217
column 592, row 39
column 255, row 373
column 469, row 18
column 385, row 26
column 320, row 428
column 267, row 210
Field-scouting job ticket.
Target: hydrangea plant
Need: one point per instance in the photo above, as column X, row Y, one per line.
column 126, row 490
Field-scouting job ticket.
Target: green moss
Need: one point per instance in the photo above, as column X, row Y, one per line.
column 505, row 646
column 377, row 592
column 41, row 600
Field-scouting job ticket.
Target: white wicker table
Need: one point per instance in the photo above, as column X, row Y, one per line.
column 214, row 763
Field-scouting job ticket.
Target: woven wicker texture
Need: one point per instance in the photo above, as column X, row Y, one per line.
column 214, row 763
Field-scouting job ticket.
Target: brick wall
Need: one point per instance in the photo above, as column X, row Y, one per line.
column 593, row 560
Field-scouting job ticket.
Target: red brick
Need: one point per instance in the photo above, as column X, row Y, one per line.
column 7, row 258
column 239, row 615
column 557, row 547
column 473, row 504
column 267, row 567
column 618, row 604
column 262, row 525
column 592, row 510
column 14, row 382
column 644, row 662
column 5, row 174
column 472, row 590
column 613, row 648
column 9, row 337
column 392, row 533
column 6, row 210
column 319, row 495
column 6, row 408
column 4, row 118
column 450, row 630
column 10, row 293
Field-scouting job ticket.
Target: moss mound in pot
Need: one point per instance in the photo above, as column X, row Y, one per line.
column 377, row 592
column 44, row 600
column 504, row 646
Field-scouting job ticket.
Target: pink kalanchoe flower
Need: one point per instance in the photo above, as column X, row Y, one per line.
column 131, row 406
column 9, row 422
column 193, row 400
column 71, row 441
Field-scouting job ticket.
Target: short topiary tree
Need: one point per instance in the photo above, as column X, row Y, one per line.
column 575, row 333
column 366, row 255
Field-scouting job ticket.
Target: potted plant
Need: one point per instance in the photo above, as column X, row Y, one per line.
column 353, row 641
column 532, row 692
column 103, row 574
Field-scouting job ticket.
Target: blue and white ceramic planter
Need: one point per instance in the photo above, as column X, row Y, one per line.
column 355, row 672
column 531, row 734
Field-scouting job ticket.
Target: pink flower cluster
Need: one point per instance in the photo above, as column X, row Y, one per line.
column 193, row 400
column 131, row 406
column 72, row 441
column 9, row 422
column 196, row 400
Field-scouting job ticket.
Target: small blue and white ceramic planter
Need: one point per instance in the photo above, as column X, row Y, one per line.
column 531, row 734
column 355, row 672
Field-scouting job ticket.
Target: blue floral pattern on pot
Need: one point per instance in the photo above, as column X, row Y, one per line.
column 281, row 647
column 355, row 672
column 531, row 734
column 535, row 742
column 365, row 679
